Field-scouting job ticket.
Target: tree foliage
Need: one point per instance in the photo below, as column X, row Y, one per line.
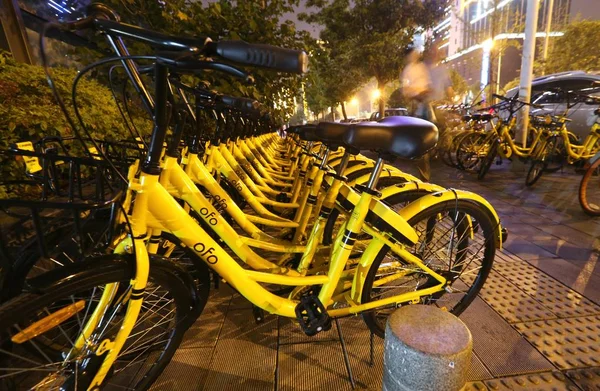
column 577, row 49
column 373, row 34
column 28, row 110
column 251, row 21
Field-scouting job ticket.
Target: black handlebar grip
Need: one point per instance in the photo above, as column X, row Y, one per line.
column 259, row 55
column 243, row 104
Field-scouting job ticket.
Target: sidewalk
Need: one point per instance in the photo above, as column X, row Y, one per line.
column 535, row 325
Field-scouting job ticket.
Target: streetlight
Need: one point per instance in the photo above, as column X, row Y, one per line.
column 376, row 94
column 354, row 102
column 488, row 44
column 486, row 63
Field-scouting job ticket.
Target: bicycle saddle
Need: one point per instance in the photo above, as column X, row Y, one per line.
column 401, row 136
column 332, row 133
column 305, row 132
column 483, row 117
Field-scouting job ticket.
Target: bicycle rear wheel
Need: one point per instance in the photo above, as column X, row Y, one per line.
column 589, row 190
column 456, row 239
column 48, row 359
column 471, row 150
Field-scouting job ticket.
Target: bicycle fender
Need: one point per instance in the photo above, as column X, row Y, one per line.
column 386, row 173
column 429, row 200
column 387, row 220
column 409, row 186
column 93, row 265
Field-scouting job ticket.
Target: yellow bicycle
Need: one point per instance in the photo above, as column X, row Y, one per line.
column 437, row 250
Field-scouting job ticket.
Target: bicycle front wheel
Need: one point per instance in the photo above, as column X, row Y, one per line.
column 456, row 240
column 589, row 190
column 38, row 330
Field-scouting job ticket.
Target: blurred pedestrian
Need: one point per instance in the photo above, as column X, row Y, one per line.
column 441, row 84
column 417, row 87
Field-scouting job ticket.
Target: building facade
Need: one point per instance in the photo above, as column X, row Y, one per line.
column 482, row 39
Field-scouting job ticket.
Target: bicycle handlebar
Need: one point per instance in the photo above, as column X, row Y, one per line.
column 104, row 19
column 514, row 101
column 260, row 55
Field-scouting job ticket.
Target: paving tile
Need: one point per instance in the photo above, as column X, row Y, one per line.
column 550, row 381
column 552, row 294
column 568, row 343
column 569, row 234
column 525, row 249
column 205, row 331
column 512, row 303
column 587, row 379
column 583, row 278
column 566, row 250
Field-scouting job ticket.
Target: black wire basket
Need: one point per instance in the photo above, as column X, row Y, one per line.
column 55, row 209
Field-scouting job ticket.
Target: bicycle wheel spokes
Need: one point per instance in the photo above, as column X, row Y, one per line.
column 455, row 241
column 50, row 358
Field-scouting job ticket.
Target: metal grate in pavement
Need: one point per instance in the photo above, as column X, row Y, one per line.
column 477, row 370
column 587, row 379
column 568, row 343
column 291, row 333
column 187, row 371
column 312, row 366
column 246, row 354
column 205, row 331
column 501, row 348
column 357, row 337
column 551, row 381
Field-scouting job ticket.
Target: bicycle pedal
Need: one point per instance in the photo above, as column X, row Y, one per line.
column 312, row 315
column 259, row 314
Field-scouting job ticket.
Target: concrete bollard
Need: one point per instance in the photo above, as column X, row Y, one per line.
column 426, row 349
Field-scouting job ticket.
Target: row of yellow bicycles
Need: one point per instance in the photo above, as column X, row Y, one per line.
column 549, row 147
column 113, row 246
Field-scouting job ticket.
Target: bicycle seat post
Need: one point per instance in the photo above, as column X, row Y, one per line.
column 344, row 163
column 372, row 184
column 324, row 158
column 152, row 163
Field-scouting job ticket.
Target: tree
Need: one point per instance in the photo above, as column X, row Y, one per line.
column 374, row 33
column 459, row 84
column 577, row 49
column 254, row 22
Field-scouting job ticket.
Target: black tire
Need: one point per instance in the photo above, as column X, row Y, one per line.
column 174, row 249
column 540, row 163
column 64, row 246
column 536, row 169
column 158, row 332
column 469, row 151
column 458, row 274
column 589, row 189
column 487, row 161
column 455, row 145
